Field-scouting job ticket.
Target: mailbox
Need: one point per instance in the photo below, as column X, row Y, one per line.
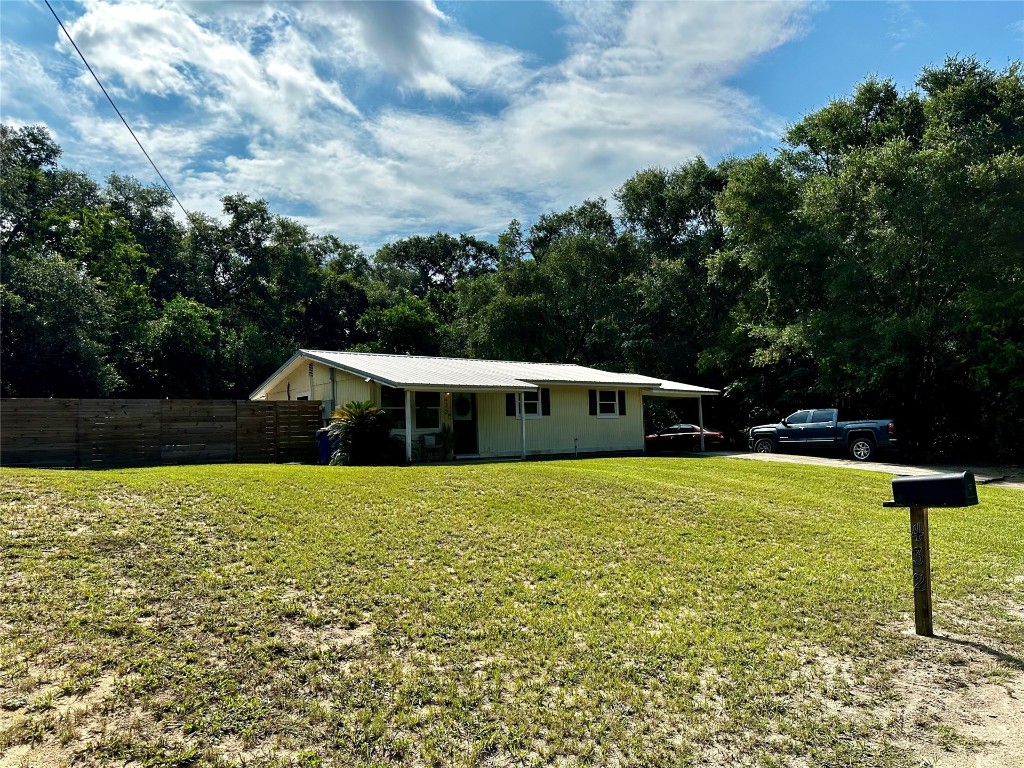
column 919, row 493
column 956, row 489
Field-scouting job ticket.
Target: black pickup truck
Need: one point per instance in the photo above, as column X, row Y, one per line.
column 821, row 430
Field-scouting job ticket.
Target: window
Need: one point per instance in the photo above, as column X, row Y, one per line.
column 535, row 404
column 531, row 405
column 800, row 417
column 607, row 404
column 428, row 410
column 681, row 429
column 392, row 402
column 823, row 417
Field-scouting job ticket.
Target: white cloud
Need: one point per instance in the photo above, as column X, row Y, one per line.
column 278, row 86
column 904, row 24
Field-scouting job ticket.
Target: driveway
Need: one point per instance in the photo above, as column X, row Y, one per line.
column 1003, row 476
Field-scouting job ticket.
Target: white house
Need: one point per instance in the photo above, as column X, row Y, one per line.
column 493, row 407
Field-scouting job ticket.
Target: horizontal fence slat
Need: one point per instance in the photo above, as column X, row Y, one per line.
column 120, row 432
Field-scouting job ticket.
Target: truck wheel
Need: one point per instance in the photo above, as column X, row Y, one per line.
column 764, row 445
column 861, row 449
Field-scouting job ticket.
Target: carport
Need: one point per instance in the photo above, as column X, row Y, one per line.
column 676, row 391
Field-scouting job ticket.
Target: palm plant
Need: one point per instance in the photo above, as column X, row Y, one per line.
column 359, row 434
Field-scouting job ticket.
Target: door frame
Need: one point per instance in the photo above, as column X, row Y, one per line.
column 474, row 418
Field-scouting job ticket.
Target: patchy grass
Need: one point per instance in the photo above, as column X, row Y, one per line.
column 619, row 612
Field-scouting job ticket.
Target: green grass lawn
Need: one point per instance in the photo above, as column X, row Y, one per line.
column 638, row 611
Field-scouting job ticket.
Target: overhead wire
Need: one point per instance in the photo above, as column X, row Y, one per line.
column 94, row 77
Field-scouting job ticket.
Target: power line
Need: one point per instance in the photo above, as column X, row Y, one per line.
column 82, row 57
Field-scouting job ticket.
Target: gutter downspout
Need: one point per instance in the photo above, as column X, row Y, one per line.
column 408, row 426
column 522, row 423
column 700, row 420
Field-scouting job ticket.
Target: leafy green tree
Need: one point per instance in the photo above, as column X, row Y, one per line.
column 673, row 312
column 407, row 326
column 147, row 212
column 436, row 262
column 53, row 331
column 862, row 254
column 106, row 247
column 554, row 294
column 182, row 350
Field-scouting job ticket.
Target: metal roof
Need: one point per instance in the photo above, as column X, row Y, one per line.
column 678, row 389
column 452, row 373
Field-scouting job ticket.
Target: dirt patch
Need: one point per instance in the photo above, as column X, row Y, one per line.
column 36, row 756
column 235, row 752
column 329, row 637
column 982, row 725
column 962, row 705
column 72, row 716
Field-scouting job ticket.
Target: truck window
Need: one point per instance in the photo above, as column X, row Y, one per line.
column 800, row 417
column 819, row 416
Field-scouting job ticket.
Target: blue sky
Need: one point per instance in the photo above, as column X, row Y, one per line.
column 385, row 119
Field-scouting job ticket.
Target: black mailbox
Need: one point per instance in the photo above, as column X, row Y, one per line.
column 956, row 489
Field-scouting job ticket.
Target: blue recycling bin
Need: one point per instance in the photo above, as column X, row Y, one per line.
column 324, row 442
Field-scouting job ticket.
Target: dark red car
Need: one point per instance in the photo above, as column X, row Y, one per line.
column 683, row 437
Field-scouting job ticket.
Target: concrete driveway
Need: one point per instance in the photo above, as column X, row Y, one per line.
column 1003, row 476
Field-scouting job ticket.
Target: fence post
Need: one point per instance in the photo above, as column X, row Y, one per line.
column 78, row 433
column 277, row 439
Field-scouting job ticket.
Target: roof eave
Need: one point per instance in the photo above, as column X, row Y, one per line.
column 270, row 379
column 695, row 392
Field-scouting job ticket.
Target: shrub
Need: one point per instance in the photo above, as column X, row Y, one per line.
column 359, row 435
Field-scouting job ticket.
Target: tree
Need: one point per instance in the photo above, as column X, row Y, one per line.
column 54, row 340
column 860, row 254
column 553, row 296
column 674, row 312
column 147, row 213
column 405, row 327
column 436, row 262
column 182, row 351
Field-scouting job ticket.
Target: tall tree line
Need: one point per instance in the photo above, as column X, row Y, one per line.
column 875, row 261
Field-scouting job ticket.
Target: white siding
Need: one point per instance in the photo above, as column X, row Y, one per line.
column 346, row 386
column 570, row 426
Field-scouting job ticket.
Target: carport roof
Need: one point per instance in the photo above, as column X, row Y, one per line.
column 453, row 374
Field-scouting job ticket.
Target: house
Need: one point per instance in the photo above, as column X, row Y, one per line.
column 494, row 407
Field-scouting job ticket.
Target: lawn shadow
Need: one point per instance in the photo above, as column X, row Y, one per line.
column 1014, row 661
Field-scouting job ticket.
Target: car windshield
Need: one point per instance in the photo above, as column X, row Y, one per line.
column 682, row 428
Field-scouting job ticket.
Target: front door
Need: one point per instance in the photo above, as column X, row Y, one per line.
column 464, row 423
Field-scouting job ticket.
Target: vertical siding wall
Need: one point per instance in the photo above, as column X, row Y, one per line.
column 569, row 427
column 346, row 387
column 570, row 421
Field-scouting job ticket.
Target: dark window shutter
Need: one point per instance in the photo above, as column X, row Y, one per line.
column 593, row 402
column 510, row 404
column 545, row 402
column 622, row 402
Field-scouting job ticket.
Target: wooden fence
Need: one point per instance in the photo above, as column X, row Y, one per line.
column 116, row 433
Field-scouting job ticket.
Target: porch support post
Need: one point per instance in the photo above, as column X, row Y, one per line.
column 408, row 426
column 700, row 420
column 522, row 423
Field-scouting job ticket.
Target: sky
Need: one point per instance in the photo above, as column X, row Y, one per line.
column 380, row 120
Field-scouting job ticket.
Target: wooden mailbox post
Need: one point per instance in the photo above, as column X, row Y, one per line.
column 920, row 493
